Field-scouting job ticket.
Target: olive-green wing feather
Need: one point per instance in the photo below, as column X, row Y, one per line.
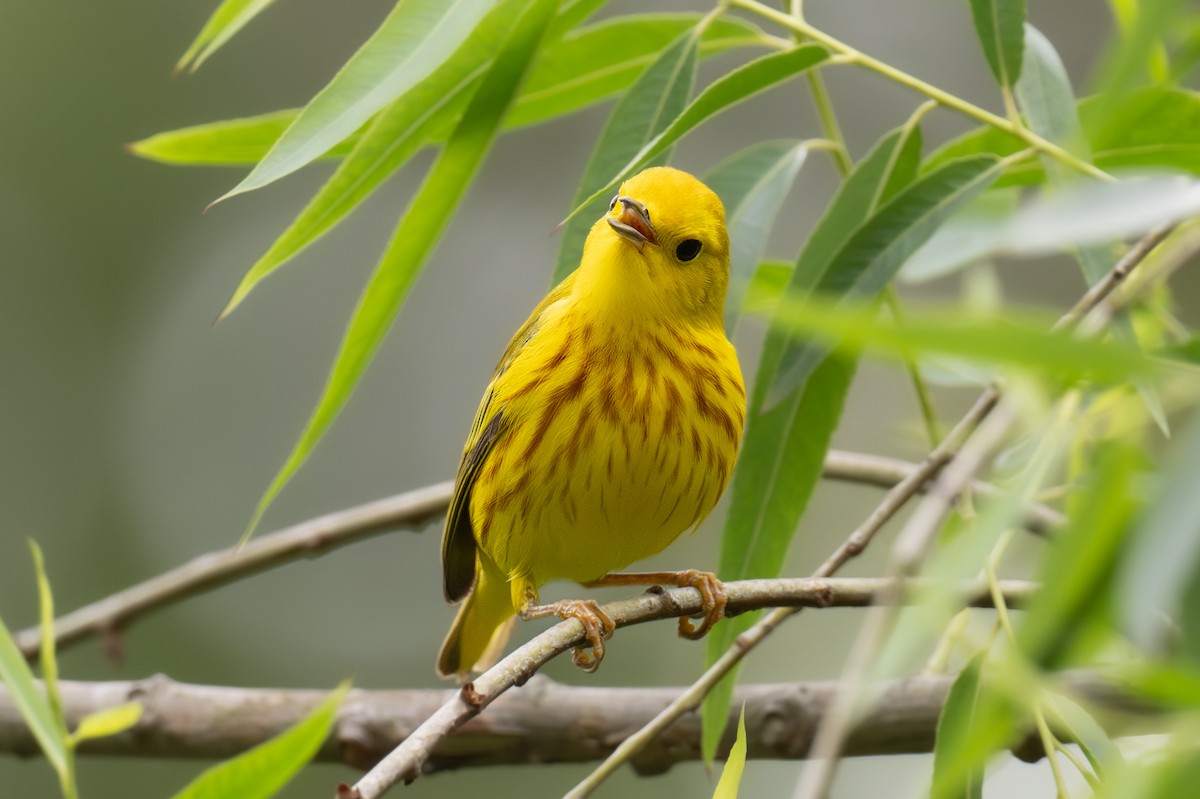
column 458, row 538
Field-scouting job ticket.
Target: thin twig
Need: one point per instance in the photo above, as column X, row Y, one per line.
column 324, row 534
column 546, row 722
column 407, row 760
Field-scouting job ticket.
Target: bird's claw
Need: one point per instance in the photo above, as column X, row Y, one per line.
column 598, row 626
column 713, row 598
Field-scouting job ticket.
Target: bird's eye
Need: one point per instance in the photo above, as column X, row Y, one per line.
column 612, row 203
column 687, row 249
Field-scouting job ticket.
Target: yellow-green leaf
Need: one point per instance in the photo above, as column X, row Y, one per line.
column 229, row 18
column 731, row 775
column 106, row 722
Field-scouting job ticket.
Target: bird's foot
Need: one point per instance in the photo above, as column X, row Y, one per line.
column 597, row 627
column 713, row 596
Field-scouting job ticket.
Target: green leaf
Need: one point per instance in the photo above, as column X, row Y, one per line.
column 735, row 764
column 974, row 723
column 106, row 722
column 729, row 90
column 47, row 656
column 1156, row 127
column 872, row 255
column 784, row 448
column 570, row 14
column 264, row 770
column 415, row 39
column 599, row 61
column 1084, row 731
column 767, row 286
column 651, row 103
column 1008, row 340
column 226, row 143
column 229, row 18
column 30, row 703
column 423, row 115
column 1164, row 554
column 752, row 185
column 1000, row 25
column 417, row 234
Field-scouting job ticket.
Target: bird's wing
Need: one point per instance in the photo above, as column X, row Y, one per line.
column 489, row 427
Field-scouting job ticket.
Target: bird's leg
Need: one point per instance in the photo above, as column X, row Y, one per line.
column 713, row 595
column 597, row 625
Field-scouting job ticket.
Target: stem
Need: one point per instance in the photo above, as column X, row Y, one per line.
column 829, row 123
column 924, row 399
column 941, row 96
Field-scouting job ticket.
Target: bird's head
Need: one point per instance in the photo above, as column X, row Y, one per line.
column 663, row 240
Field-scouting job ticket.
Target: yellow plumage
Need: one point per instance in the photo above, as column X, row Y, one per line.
column 612, row 422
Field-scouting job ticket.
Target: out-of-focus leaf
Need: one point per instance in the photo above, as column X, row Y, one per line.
column 1078, row 215
column 1000, row 25
column 1157, row 127
column 227, row 143
column 767, row 286
column 656, row 98
column 423, row 114
column 1169, row 771
column 570, row 14
column 1188, row 351
column 1008, row 339
column 601, row 60
column 1078, row 568
column 417, row 37
column 967, row 238
column 1086, row 732
column 48, row 657
column 264, row 770
column 973, row 723
column 1164, row 555
column 870, row 258
column 752, row 185
column 106, row 722
column 784, row 447
column 731, row 775
column 229, row 18
column 417, row 233
column 730, row 89
column 30, row 703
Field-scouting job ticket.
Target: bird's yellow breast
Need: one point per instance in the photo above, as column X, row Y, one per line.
column 617, row 443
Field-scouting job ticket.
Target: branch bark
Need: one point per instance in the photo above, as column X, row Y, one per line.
column 315, row 537
column 547, row 722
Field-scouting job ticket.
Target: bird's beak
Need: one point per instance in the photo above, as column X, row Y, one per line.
column 632, row 222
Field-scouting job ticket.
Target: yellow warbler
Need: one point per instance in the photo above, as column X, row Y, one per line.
column 610, row 426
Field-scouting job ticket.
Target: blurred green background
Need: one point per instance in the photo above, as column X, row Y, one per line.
column 135, row 435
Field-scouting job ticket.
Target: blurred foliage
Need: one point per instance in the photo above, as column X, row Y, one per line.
column 1121, row 577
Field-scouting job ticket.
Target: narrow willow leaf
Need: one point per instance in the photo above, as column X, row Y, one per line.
column 656, row 98
column 729, row 90
column 229, row 18
column 967, row 238
column 571, row 74
column 417, row 234
column 872, row 256
column 735, row 764
column 570, row 14
column 1007, row 340
column 974, row 723
column 415, row 39
column 1044, row 94
column 1000, row 25
column 109, row 721
column 422, row 115
column 46, row 654
column 30, row 703
column 1157, row 127
column 784, row 447
column 1164, row 553
column 767, row 286
column 1080, row 564
column 1085, row 732
column 599, row 61
column 264, row 770
column 752, row 185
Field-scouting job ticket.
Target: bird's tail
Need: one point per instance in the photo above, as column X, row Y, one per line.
column 482, row 626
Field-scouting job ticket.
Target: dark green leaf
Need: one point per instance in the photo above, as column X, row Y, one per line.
column 417, row 37
column 656, row 98
column 728, row 90
column 418, row 232
column 229, row 18
column 784, row 447
column 752, row 185
column 871, row 256
column 974, row 723
column 1000, row 25
column 264, row 770
column 424, row 114
column 601, row 60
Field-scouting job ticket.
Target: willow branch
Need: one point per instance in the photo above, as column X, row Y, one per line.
column 324, row 534
column 408, row 760
column 547, row 722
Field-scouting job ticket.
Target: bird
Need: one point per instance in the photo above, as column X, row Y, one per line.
column 610, row 426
